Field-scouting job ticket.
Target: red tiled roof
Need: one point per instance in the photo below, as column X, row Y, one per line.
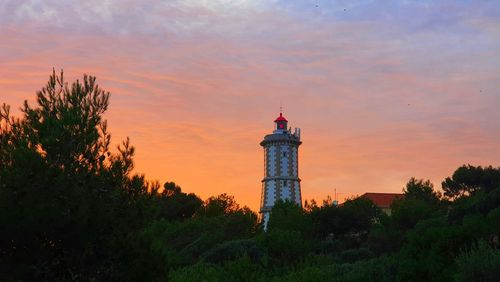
column 382, row 200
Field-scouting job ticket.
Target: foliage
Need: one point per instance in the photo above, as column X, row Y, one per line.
column 359, row 214
column 180, row 243
column 347, row 225
column 385, row 236
column 64, row 196
column 467, row 180
column 354, row 255
column 288, row 233
column 420, row 202
column 240, row 269
column 71, row 209
column 481, row 203
column 480, row 263
column 231, row 250
column 219, row 205
column 420, row 189
column 383, row 268
column 289, row 216
column 173, row 204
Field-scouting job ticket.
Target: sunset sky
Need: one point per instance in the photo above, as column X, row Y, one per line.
column 382, row 90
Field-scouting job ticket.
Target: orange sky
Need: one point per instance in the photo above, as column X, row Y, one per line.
column 382, row 93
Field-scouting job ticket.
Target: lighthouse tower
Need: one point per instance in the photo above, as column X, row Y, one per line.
column 281, row 167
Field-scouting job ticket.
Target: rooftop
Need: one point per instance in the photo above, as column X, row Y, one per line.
column 382, row 200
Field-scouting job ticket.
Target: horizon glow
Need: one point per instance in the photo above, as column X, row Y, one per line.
column 383, row 91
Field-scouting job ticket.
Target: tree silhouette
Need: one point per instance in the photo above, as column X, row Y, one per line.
column 71, row 209
column 64, row 196
column 467, row 180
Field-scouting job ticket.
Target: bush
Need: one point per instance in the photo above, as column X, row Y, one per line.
column 380, row 269
column 234, row 249
column 480, row 263
column 285, row 245
column 355, row 255
column 241, row 269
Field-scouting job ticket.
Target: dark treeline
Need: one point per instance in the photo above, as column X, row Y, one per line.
column 70, row 209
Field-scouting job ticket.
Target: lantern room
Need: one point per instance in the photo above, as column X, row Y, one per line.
column 281, row 123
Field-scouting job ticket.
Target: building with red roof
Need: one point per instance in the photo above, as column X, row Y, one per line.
column 383, row 200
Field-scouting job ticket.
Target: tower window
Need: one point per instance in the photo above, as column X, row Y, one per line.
column 284, row 154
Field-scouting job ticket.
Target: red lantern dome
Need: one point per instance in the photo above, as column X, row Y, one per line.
column 281, row 123
column 280, row 118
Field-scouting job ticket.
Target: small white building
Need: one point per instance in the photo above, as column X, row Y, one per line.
column 281, row 167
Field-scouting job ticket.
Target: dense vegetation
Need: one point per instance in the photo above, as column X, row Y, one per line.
column 70, row 209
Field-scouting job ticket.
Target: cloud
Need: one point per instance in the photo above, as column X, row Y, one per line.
column 382, row 92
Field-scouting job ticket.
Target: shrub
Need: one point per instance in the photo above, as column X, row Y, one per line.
column 234, row 249
column 356, row 254
column 479, row 263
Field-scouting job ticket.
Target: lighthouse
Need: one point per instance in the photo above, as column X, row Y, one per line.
column 281, row 167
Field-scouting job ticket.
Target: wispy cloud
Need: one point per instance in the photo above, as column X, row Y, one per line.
column 382, row 90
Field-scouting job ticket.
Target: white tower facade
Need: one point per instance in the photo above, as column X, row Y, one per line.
column 281, row 167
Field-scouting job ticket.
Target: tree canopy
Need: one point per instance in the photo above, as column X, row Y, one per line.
column 71, row 208
column 468, row 179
